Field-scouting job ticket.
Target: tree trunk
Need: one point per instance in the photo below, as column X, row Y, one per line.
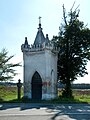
column 67, row 92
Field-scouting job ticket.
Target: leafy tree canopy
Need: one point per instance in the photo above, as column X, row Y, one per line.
column 7, row 71
column 74, row 43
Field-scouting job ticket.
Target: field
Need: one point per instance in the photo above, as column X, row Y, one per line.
column 9, row 94
column 80, row 95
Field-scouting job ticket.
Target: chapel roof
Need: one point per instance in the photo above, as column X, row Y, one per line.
column 40, row 38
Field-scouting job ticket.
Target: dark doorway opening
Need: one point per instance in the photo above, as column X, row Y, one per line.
column 36, row 87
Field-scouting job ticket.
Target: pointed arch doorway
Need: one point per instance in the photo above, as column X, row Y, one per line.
column 36, row 86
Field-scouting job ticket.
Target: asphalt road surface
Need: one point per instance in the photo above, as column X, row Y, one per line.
column 28, row 111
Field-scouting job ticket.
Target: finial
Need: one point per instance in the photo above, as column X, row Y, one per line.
column 46, row 35
column 26, row 41
column 40, row 20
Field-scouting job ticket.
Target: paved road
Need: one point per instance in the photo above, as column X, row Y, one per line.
column 27, row 111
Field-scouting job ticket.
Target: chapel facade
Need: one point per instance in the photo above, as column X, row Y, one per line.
column 40, row 67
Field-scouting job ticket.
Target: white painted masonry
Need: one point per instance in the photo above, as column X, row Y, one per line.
column 41, row 57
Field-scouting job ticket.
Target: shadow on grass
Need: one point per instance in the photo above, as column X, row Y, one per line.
column 58, row 100
column 65, row 100
column 10, row 101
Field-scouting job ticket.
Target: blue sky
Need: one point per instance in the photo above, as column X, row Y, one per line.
column 19, row 18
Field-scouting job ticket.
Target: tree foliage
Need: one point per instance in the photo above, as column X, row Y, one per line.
column 74, row 43
column 7, row 71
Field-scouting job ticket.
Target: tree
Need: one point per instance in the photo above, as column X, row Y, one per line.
column 74, row 43
column 7, row 71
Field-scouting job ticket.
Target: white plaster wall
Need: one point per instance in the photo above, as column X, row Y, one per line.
column 43, row 62
column 34, row 62
column 51, row 65
column 54, row 75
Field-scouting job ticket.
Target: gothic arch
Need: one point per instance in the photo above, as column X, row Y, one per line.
column 36, row 86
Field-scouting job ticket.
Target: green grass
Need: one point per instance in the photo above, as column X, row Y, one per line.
column 79, row 96
column 9, row 94
column 82, row 95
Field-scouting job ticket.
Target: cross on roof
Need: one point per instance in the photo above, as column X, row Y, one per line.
column 40, row 20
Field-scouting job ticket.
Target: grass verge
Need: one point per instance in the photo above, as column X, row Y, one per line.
column 9, row 94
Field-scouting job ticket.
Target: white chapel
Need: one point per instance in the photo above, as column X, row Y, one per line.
column 40, row 67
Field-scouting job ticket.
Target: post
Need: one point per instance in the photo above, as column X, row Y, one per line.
column 19, row 85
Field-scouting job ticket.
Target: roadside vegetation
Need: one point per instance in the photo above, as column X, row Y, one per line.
column 9, row 94
column 79, row 96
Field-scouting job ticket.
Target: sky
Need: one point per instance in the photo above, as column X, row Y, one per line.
column 19, row 19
